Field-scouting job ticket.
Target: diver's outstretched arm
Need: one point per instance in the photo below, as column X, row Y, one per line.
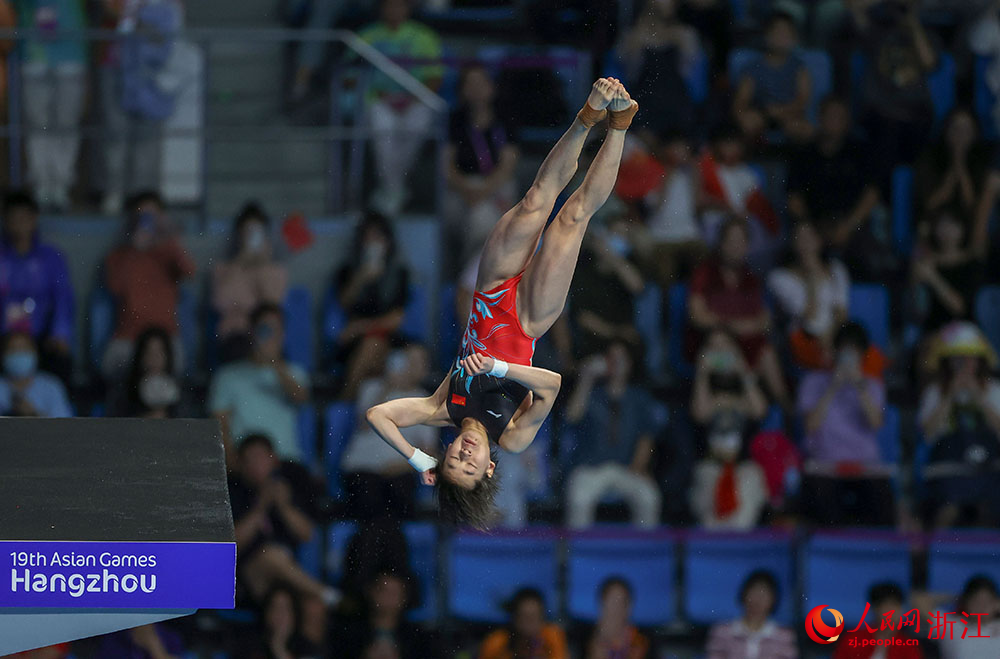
column 387, row 418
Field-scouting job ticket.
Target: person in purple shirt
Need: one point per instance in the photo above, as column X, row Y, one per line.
column 36, row 294
column 842, row 412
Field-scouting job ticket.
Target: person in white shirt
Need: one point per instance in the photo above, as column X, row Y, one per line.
column 980, row 595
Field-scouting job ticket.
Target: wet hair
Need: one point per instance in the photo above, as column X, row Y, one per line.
column 522, row 595
column 852, row 334
column 135, row 373
column 474, row 507
column 14, row 199
column 760, row 577
column 884, row 591
column 251, row 211
column 610, row 583
column 976, row 583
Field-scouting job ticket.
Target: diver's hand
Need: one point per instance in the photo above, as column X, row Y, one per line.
column 428, row 477
column 477, row 364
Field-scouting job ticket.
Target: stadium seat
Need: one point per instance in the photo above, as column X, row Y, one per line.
column 890, row 436
column 983, row 97
column 841, row 567
column 942, row 87
column 649, row 323
column 716, row 564
column 955, row 556
column 338, row 534
column 338, row 424
column 676, row 323
column 449, row 332
column 299, row 328
column 100, row 324
column 988, row 313
column 869, row 305
column 775, row 419
column 188, row 325
column 422, row 540
column 647, row 561
column 334, row 319
column 485, row 570
column 310, row 555
column 902, row 209
column 306, row 422
column 416, row 318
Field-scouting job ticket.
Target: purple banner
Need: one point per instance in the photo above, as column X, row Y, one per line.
column 134, row 575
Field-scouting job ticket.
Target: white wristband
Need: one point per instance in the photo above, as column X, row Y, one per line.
column 499, row 369
column 421, row 461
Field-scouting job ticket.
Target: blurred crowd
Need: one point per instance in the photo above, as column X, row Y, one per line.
column 809, row 362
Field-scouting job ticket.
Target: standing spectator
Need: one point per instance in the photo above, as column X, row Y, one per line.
column 378, row 480
column 726, row 295
column 400, row 122
column 249, row 277
column 887, row 604
column 830, row 185
column 614, row 636
column 959, row 416
column 373, row 289
column 673, row 243
column 24, row 390
column 261, row 394
column 482, row 158
column 952, row 171
column 279, row 637
column 151, row 389
column 54, row 87
column 896, row 100
column 724, row 385
column 660, row 52
column 812, row 291
column 603, row 293
column 842, row 411
column 135, row 95
column 614, row 438
column 143, row 274
column 980, row 595
column 529, row 635
column 755, row 635
column 381, row 630
column 270, row 521
column 773, row 91
column 35, row 288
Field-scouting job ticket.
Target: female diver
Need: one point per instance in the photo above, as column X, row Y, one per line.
column 493, row 394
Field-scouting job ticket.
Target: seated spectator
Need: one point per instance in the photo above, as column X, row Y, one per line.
column 482, row 158
column 35, row 287
column 773, row 91
column 143, row 274
column 830, row 185
column 959, row 416
column 886, row 601
column 24, row 390
column 261, row 394
column 659, row 53
column 896, row 107
column 980, row 595
column 249, row 277
column 399, row 122
column 614, row 636
column 673, row 242
column 948, row 272
column 842, row 412
column 155, row 641
column 528, row 634
column 381, row 629
column 952, row 171
column 724, row 385
column 373, row 289
column 730, row 190
column 614, row 440
column 270, row 521
column 729, row 491
column 378, row 480
column 604, row 290
column 279, row 636
column 754, row 634
column 151, row 390
column 725, row 295
column 812, row 291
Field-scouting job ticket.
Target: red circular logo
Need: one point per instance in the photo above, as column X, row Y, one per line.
column 818, row 630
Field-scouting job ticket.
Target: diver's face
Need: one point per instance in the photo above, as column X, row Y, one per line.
column 467, row 459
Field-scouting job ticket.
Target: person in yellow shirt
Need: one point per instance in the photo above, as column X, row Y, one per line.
column 529, row 635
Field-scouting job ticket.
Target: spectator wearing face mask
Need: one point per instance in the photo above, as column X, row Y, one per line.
column 151, row 389
column 144, row 274
column 379, row 481
column 842, row 411
column 24, row 390
column 249, row 277
column 260, row 394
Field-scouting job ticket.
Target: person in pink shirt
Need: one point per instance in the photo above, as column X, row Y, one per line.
column 754, row 635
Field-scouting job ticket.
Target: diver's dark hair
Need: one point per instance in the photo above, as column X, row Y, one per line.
column 475, row 507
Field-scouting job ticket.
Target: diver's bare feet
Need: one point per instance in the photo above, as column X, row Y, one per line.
column 621, row 100
column 602, row 93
